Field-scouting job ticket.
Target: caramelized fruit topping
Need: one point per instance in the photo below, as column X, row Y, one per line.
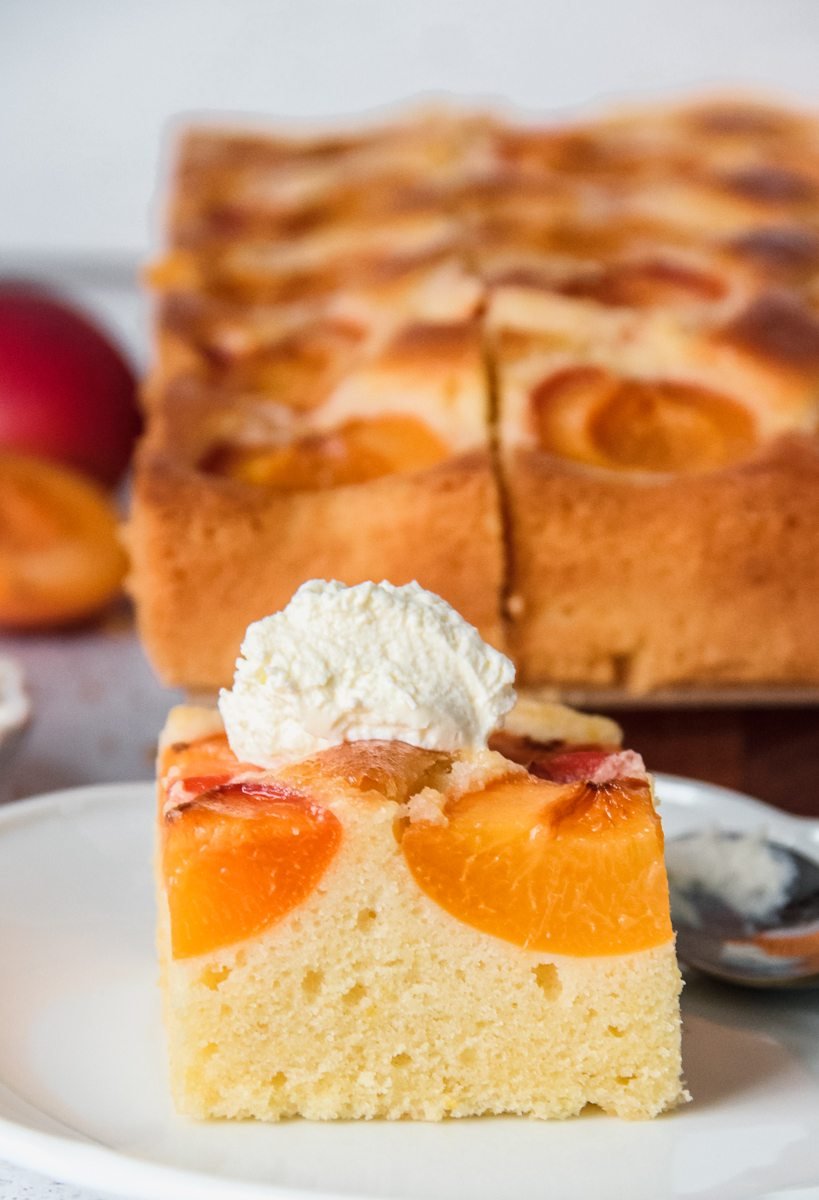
column 592, row 416
column 355, row 453
column 394, row 770
column 209, row 755
column 565, row 762
column 647, row 284
column 779, row 326
column 568, row 868
column 769, row 184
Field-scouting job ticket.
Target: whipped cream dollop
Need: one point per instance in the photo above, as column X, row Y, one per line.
column 370, row 661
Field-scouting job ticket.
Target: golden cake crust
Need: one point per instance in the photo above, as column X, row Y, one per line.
column 699, row 567
column 210, row 555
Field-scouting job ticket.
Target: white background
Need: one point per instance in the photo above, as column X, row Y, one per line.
column 87, row 87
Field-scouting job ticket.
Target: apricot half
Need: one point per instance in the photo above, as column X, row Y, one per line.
column 391, row 770
column 356, row 452
column 648, row 284
column 239, row 858
column 60, row 559
column 204, row 756
column 568, row 868
column 593, row 416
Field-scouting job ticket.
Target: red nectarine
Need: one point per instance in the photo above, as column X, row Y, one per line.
column 66, row 392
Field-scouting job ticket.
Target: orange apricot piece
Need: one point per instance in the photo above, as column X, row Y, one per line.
column 60, row 558
column 569, row 868
column 392, row 770
column 239, row 858
column 210, row 755
column 592, row 416
column 358, row 451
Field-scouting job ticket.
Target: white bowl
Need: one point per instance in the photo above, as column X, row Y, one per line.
column 15, row 713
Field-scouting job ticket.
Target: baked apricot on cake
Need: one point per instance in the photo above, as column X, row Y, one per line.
column 375, row 928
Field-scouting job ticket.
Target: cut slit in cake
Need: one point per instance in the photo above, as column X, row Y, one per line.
column 381, row 930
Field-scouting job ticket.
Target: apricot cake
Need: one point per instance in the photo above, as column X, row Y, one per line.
column 365, row 911
column 565, row 376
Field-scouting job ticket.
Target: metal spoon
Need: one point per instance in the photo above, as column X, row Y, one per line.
column 775, row 948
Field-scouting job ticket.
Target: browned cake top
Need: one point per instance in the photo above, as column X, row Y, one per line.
column 637, row 293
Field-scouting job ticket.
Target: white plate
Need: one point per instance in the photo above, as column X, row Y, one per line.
column 83, row 1095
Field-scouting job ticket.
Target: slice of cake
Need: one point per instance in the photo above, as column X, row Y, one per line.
column 367, row 912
